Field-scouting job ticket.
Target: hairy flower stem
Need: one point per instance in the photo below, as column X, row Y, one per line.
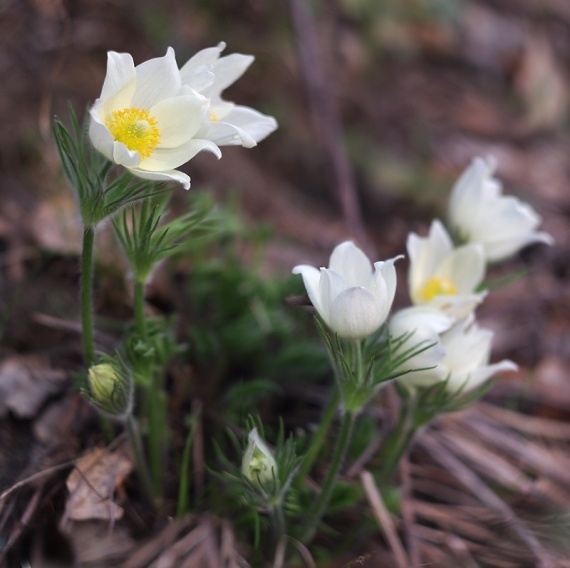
column 155, row 398
column 156, row 415
column 87, row 294
column 397, row 442
column 318, row 438
column 140, row 321
column 357, row 358
column 142, row 465
column 278, row 523
column 319, row 506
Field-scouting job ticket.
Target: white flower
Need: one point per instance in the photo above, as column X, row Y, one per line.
column 258, row 464
column 351, row 297
column 423, row 326
column 443, row 276
column 465, row 363
column 479, row 213
column 227, row 123
column 144, row 122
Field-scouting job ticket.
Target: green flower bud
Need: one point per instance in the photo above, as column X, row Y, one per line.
column 258, row 463
column 109, row 389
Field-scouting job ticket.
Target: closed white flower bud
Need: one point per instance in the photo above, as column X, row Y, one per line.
column 109, row 389
column 258, row 463
column 352, row 297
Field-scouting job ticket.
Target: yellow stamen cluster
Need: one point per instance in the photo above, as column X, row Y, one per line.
column 136, row 129
column 438, row 286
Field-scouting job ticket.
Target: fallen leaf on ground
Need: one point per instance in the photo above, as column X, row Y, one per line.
column 26, row 382
column 93, row 482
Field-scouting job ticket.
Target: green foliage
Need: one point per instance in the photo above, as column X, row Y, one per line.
column 148, row 239
column 244, row 336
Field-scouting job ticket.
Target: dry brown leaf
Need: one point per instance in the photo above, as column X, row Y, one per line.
column 93, row 482
column 26, row 382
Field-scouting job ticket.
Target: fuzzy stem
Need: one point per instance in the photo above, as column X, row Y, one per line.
column 318, row 438
column 140, row 321
column 357, row 358
column 156, row 415
column 396, row 444
column 318, row 509
column 87, row 294
column 142, row 465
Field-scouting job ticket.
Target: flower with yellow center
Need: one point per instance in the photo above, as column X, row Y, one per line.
column 442, row 276
column 229, row 124
column 438, row 286
column 136, row 129
column 144, row 121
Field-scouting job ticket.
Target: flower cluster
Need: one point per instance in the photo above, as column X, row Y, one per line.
column 154, row 117
column 439, row 336
column 445, row 282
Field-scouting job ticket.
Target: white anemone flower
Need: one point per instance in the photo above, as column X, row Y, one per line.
column 422, row 325
column 226, row 123
column 351, row 296
column 443, row 276
column 144, row 122
column 479, row 213
column 465, row 364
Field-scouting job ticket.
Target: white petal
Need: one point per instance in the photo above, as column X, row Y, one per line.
column 198, row 79
column 204, row 57
column 241, row 126
column 496, row 251
column 179, row 118
column 157, row 79
column 163, row 159
column 120, row 73
column 354, row 313
column 352, row 264
column 477, row 377
column 424, row 324
column 467, row 192
column 224, row 134
column 465, row 267
column 458, row 307
column 468, row 346
column 311, row 279
column 119, row 101
column 100, row 136
column 125, row 157
column 227, row 70
column 173, row 175
column 386, row 271
column 420, row 317
column 331, row 285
